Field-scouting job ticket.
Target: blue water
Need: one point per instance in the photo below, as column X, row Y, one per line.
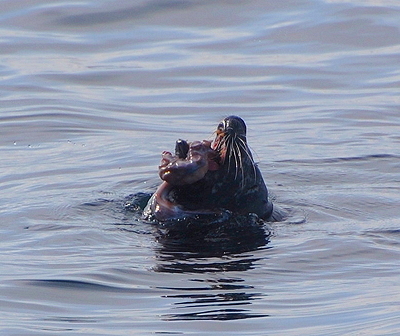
column 92, row 92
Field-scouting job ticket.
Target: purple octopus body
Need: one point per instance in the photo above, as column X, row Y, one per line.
column 198, row 161
column 179, row 170
column 206, row 177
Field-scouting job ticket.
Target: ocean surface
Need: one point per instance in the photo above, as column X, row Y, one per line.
column 91, row 93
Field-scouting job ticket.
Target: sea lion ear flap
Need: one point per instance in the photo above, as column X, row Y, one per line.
column 181, row 148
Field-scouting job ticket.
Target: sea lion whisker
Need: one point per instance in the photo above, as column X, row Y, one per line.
column 243, row 145
column 247, row 150
column 239, row 153
column 220, row 145
column 225, row 141
column 228, row 144
column 236, row 154
column 229, row 150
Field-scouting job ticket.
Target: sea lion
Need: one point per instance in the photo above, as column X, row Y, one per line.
column 205, row 178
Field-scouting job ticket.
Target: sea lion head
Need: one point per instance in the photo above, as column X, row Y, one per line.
column 231, row 144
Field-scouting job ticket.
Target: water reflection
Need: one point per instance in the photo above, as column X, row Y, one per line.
column 225, row 314
column 211, row 247
column 220, row 300
column 198, row 246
